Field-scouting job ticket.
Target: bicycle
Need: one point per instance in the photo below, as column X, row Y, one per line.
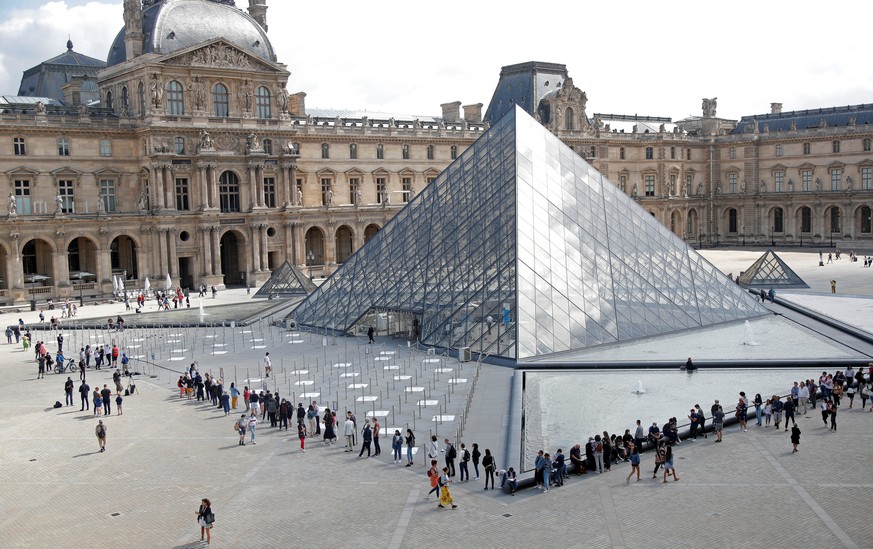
column 71, row 366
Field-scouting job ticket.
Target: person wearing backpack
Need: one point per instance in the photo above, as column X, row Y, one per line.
column 465, row 460
column 598, row 453
column 240, row 426
column 451, row 454
column 367, row 438
column 100, row 431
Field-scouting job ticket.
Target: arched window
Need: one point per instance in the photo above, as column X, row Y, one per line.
column 569, row 121
column 140, row 92
column 228, row 192
column 732, row 220
column 836, row 220
column 454, row 152
column 778, row 221
column 125, row 101
column 175, row 98
column 262, row 100
column 109, row 104
column 220, row 103
column 805, row 220
column 865, row 219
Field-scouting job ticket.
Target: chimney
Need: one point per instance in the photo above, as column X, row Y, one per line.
column 258, row 11
column 775, row 108
column 473, row 113
column 297, row 104
column 132, row 29
column 451, row 111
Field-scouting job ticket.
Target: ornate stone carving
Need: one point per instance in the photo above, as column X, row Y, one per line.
column 13, row 207
column 709, row 106
column 198, row 94
column 217, row 55
column 40, row 107
column 246, row 95
column 132, row 16
column 282, row 98
column 227, row 142
column 253, row 144
column 156, row 89
column 206, row 142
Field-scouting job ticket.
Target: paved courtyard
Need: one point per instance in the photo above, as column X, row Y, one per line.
column 165, row 454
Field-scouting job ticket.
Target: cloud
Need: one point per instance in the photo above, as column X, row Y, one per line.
column 29, row 36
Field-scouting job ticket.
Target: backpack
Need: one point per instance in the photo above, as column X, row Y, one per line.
column 598, row 447
column 452, row 453
column 101, row 431
column 466, row 455
column 58, row 404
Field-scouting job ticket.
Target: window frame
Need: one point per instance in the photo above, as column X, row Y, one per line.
column 270, row 191
column 220, row 100
column 353, row 151
column 229, row 192
column 66, row 190
column 107, row 193
column 105, row 147
column 175, row 103
column 806, row 180
column 406, row 187
column 380, row 151
column 263, row 103
column 19, row 146
column 650, row 153
column 649, row 184
column 63, row 145
column 836, row 178
column 325, row 151
column 807, row 149
column 23, row 196
column 181, row 189
column 780, row 151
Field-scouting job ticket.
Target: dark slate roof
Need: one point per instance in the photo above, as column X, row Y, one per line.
column 811, row 118
column 176, row 25
column 47, row 78
column 524, row 84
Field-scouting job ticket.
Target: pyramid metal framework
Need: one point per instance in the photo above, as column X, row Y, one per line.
column 769, row 271
column 286, row 281
column 520, row 249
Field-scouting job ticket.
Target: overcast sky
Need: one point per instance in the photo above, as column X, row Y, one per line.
column 652, row 58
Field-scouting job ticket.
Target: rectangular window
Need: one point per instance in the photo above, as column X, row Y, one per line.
column 650, row 153
column 732, row 153
column 454, row 152
column 835, row 146
column 19, row 146
column 673, row 184
column 732, row 183
column 407, row 188
column 672, row 153
column 404, row 152
column 22, row 196
column 65, row 191
column 182, row 203
column 688, row 180
column 354, row 187
column 688, row 154
column 779, row 178
column 778, row 150
column 622, row 182
column 430, row 152
column 621, row 153
column 105, row 147
column 836, row 179
column 325, row 191
column 380, row 152
column 268, row 146
column 866, row 183
column 107, row 194
column 805, row 180
column 270, row 192
column 63, row 146
column 353, row 151
column 807, row 148
column 380, row 189
column 325, row 150
column 650, row 185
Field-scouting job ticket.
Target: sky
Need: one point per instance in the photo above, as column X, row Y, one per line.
column 647, row 58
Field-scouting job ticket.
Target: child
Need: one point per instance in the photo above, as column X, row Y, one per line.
column 301, row 434
column 118, row 401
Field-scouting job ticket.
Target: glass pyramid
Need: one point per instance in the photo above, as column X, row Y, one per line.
column 770, row 271
column 520, row 248
column 286, row 281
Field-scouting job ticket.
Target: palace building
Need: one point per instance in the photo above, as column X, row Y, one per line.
column 186, row 153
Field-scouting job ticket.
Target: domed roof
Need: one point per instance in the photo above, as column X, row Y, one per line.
column 173, row 25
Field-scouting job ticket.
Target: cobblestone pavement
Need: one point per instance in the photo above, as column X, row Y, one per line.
column 165, row 454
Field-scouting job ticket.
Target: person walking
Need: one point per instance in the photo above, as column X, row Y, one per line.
column 759, row 412
column 268, row 364
column 253, row 426
column 118, row 401
column 349, row 432
column 832, row 410
column 433, row 450
column 410, row 444
column 445, row 494
column 476, row 454
column 301, row 434
column 788, row 408
column 396, row 446
column 206, row 519
column 795, row 437
column 100, row 431
column 106, row 395
column 659, row 459
column 669, row 469
column 488, row 465
column 225, row 402
column 234, row 395
column 434, row 475
column 833, row 282
column 366, row 438
column 370, row 333
column 635, row 464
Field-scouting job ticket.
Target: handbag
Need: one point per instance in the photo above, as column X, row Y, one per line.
column 209, row 518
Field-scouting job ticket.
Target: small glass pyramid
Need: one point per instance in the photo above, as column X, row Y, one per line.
column 519, row 249
column 769, row 271
column 286, row 281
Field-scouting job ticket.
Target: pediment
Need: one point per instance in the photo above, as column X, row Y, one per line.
column 221, row 54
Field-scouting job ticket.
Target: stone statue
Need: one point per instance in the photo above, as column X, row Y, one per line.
column 793, row 125
column 252, row 143
column 83, row 110
column 817, row 185
column 299, row 196
column 763, row 188
column 13, row 206
column 635, row 190
column 662, row 128
column 791, row 185
column 329, row 198
column 101, row 207
column 386, row 199
column 709, row 106
column 40, row 107
column 699, row 189
column 718, row 188
column 246, row 94
column 206, row 142
column 848, row 183
column 59, row 204
column 198, row 93
column 853, row 120
column 687, row 188
column 358, row 198
column 282, row 98
column 132, row 16
column 743, row 186
column 142, row 204
column 157, row 90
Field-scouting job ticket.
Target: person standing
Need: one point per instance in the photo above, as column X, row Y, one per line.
column 68, row 391
column 118, row 402
column 741, row 413
column 639, row 435
column 410, row 444
column 225, row 403
column 833, row 282
column 759, row 413
column 396, row 446
column 832, row 410
column 464, row 464
column 366, row 438
column 788, row 408
column 84, row 392
column 268, row 364
column 476, row 454
column 100, row 431
column 106, row 395
column 205, row 518
column 701, row 418
column 433, row 450
column 488, row 465
column 635, row 464
column 301, row 434
column 329, row 432
column 234, row 395
column 718, row 423
column 349, row 432
column 317, row 411
column 694, row 419
column 253, row 426
column 451, row 454
column 377, row 432
column 272, row 408
column 795, row 437
column 547, row 471
column 776, row 404
column 370, row 333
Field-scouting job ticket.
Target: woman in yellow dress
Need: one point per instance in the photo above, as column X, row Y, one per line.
column 445, row 495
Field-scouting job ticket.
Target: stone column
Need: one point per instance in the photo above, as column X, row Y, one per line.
column 212, row 191
column 256, row 247
column 216, row 251
column 13, row 268
column 290, row 247
column 158, row 187
column 259, row 185
column 169, row 189
column 162, row 252
column 330, row 244
column 60, row 269
column 265, row 252
column 253, row 199
column 206, row 256
column 171, row 257
column 204, row 189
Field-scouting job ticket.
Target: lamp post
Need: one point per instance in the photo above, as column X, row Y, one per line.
column 310, row 259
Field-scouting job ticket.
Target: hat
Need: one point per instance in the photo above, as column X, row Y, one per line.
column 716, row 401
column 692, row 409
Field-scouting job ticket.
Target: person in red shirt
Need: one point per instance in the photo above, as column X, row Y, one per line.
column 114, row 355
